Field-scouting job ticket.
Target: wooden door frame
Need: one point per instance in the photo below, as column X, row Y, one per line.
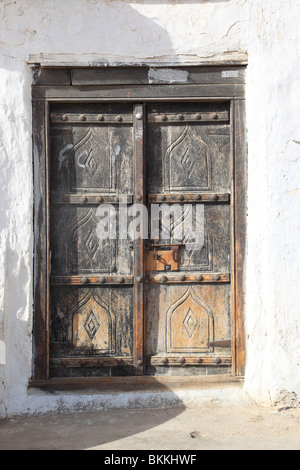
column 131, row 84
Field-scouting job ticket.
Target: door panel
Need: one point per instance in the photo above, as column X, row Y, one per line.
column 92, row 149
column 77, row 249
column 92, row 163
column 188, row 319
column 187, row 151
column 183, row 323
column 91, row 331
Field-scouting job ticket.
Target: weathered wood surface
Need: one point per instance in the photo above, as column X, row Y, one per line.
column 240, row 207
column 104, row 312
column 139, row 243
column 41, row 273
column 140, row 92
column 90, row 165
column 138, row 383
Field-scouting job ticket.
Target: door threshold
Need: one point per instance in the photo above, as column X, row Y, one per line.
column 136, row 384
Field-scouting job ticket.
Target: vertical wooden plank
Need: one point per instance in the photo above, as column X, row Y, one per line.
column 240, row 182
column 232, row 234
column 48, row 254
column 139, row 269
column 40, row 242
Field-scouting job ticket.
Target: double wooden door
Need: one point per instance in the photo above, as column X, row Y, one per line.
column 154, row 295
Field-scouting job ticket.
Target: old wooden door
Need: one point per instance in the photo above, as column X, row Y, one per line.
column 188, row 321
column 159, row 304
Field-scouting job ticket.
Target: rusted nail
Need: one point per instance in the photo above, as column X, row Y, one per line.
column 100, row 117
column 163, row 278
column 139, row 279
column 215, row 197
column 215, row 116
column 182, row 360
column 165, row 360
column 181, row 197
column 199, row 360
column 198, row 116
column 162, row 198
column 102, row 280
column 218, row 360
column 82, row 117
column 63, row 363
column 199, row 278
column 164, row 117
column 84, row 199
column 216, row 277
column 101, row 362
column 199, row 197
column 139, row 197
column 119, row 118
column 180, row 117
column 182, row 278
column 99, row 199
column 119, row 361
column 121, row 280
column 140, row 362
column 84, row 280
column 64, row 117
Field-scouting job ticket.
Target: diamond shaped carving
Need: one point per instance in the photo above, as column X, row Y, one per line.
column 191, row 154
column 188, row 161
column 91, row 325
column 190, row 323
column 91, row 164
column 91, row 244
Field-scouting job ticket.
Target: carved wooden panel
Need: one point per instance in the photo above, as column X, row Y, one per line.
column 187, row 161
column 90, row 322
column 91, row 168
column 93, row 325
column 207, row 253
column 92, row 156
column 190, row 324
column 183, row 321
column 77, row 248
column 188, row 156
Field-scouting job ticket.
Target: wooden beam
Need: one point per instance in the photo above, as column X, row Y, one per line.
column 139, row 265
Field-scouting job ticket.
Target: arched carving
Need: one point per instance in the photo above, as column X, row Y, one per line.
column 86, row 252
column 190, row 325
column 93, row 325
column 191, row 155
column 92, row 168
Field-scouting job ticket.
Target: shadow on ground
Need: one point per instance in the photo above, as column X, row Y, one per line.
column 213, row 425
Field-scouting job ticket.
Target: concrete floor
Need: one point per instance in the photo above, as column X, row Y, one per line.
column 211, row 425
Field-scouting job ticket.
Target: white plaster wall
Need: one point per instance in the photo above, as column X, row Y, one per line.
column 164, row 31
column 273, row 261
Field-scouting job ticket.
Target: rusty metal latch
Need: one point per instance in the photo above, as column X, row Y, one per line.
column 174, row 246
column 163, row 260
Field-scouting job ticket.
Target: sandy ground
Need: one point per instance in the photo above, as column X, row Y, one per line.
column 213, row 425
